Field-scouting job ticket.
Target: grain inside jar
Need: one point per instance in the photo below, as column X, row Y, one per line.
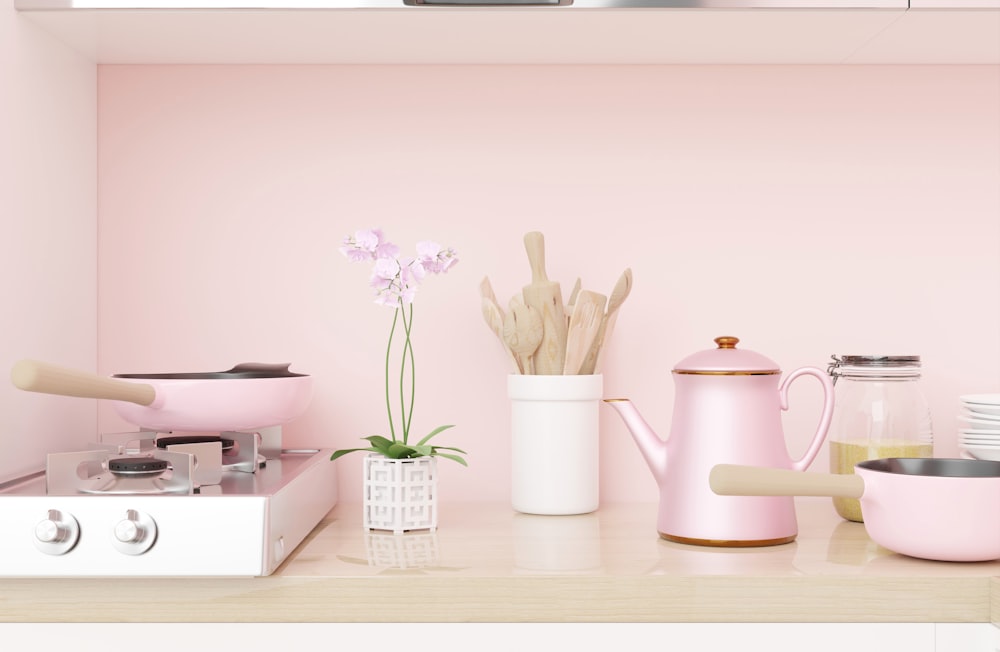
column 844, row 455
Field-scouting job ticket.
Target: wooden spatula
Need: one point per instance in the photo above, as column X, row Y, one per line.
column 622, row 289
column 491, row 313
column 486, row 291
column 584, row 324
column 545, row 297
column 572, row 300
column 522, row 331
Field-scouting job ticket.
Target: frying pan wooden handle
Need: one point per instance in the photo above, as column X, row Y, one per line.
column 738, row 480
column 35, row 376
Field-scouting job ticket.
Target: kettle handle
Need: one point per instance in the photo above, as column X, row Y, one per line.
column 824, row 422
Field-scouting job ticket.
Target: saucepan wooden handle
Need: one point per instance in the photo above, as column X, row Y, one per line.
column 35, row 376
column 738, row 480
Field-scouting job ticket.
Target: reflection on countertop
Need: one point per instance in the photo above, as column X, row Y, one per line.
column 488, row 563
column 618, row 540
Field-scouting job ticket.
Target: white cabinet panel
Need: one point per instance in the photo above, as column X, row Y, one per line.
column 489, row 637
column 705, row 637
column 954, row 4
column 966, row 637
column 477, row 36
column 508, row 35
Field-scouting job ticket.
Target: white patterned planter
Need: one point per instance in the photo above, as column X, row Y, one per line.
column 400, row 495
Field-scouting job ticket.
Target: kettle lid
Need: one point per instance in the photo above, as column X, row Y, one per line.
column 727, row 359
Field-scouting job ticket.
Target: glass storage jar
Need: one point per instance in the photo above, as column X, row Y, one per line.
column 879, row 411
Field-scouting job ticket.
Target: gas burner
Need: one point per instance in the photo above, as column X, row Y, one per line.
column 134, row 475
column 214, row 453
column 137, row 466
column 97, row 472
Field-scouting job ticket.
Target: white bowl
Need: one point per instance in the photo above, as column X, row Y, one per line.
column 980, row 432
column 982, row 403
column 972, row 441
column 981, row 453
column 985, row 399
column 983, row 410
column 970, row 413
column 977, row 424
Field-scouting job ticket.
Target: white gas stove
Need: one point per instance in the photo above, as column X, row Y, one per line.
column 148, row 504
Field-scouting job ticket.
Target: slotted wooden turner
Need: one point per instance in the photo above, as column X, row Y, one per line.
column 584, row 324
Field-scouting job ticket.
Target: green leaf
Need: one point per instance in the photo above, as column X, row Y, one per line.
column 379, row 442
column 345, row 451
column 399, row 451
column 450, row 448
column 432, row 433
column 452, row 457
column 423, row 450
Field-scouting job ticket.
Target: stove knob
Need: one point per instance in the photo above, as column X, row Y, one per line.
column 49, row 531
column 135, row 534
column 56, row 534
column 128, row 531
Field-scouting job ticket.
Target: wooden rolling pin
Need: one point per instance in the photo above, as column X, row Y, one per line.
column 545, row 297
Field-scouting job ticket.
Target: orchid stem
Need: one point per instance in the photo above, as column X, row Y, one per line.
column 408, row 352
column 388, row 349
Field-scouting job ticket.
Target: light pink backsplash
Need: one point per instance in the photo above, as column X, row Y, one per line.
column 807, row 210
column 48, row 236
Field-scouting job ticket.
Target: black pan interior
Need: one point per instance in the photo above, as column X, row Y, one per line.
column 163, row 442
column 930, row 466
column 246, row 370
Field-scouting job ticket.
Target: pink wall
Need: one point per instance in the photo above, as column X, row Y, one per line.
column 48, row 236
column 807, row 210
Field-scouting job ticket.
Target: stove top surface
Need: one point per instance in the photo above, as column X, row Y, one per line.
column 266, row 481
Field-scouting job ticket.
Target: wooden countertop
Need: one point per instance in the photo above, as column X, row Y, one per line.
column 487, row 563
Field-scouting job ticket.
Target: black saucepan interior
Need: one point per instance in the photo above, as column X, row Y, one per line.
column 930, row 466
column 245, row 370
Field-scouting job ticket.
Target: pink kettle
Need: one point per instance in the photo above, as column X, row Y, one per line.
column 727, row 410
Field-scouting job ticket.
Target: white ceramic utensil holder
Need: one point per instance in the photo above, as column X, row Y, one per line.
column 554, row 443
column 400, row 495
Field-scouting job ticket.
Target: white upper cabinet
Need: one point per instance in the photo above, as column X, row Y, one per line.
column 578, row 31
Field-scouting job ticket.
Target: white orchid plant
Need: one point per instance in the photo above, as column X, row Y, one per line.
column 396, row 280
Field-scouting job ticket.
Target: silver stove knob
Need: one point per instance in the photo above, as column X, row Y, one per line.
column 57, row 533
column 128, row 531
column 49, row 531
column 135, row 534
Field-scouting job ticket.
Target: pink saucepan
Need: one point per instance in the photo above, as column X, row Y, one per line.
column 246, row 397
column 931, row 508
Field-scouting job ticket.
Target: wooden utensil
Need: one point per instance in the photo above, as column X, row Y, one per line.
column 572, row 300
column 592, row 365
column 522, row 331
column 545, row 297
column 494, row 319
column 486, row 291
column 584, row 324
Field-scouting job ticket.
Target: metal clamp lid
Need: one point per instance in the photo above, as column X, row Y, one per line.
column 878, row 366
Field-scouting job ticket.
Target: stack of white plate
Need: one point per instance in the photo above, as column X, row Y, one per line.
column 979, row 435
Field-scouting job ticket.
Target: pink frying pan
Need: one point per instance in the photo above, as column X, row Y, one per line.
column 246, row 397
column 932, row 508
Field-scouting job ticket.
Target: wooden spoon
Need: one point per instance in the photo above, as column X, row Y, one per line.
column 592, row 365
column 584, row 324
column 522, row 331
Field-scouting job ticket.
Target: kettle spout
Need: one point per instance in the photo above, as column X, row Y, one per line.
column 653, row 449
